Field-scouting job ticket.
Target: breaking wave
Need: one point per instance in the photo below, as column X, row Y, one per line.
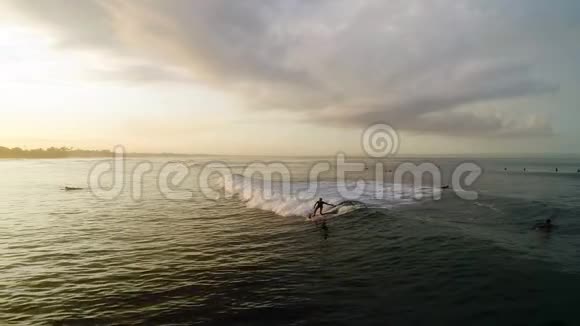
column 298, row 198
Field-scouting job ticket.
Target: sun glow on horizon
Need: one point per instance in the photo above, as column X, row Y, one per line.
column 51, row 97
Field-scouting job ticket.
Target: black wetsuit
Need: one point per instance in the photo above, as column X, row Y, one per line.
column 319, row 206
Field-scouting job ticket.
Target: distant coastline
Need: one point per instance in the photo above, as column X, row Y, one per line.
column 66, row 152
column 70, row 152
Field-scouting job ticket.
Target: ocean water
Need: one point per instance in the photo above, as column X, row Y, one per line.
column 218, row 254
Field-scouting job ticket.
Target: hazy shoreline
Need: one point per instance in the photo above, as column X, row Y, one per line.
column 69, row 152
column 94, row 156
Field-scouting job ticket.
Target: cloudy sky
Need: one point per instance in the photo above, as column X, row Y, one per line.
column 291, row 77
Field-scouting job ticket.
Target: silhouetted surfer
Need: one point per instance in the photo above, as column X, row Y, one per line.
column 319, row 205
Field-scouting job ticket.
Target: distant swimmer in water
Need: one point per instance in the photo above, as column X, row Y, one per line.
column 319, row 205
column 445, row 187
column 546, row 226
column 556, row 169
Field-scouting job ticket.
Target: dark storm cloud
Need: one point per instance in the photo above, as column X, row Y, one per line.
column 419, row 65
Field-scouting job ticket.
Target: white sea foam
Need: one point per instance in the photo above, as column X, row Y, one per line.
column 297, row 198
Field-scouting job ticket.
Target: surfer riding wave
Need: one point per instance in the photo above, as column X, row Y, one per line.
column 319, row 206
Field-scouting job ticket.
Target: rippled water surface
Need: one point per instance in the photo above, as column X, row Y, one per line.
column 69, row 257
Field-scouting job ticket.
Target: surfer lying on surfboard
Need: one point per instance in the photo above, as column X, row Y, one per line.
column 319, row 205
